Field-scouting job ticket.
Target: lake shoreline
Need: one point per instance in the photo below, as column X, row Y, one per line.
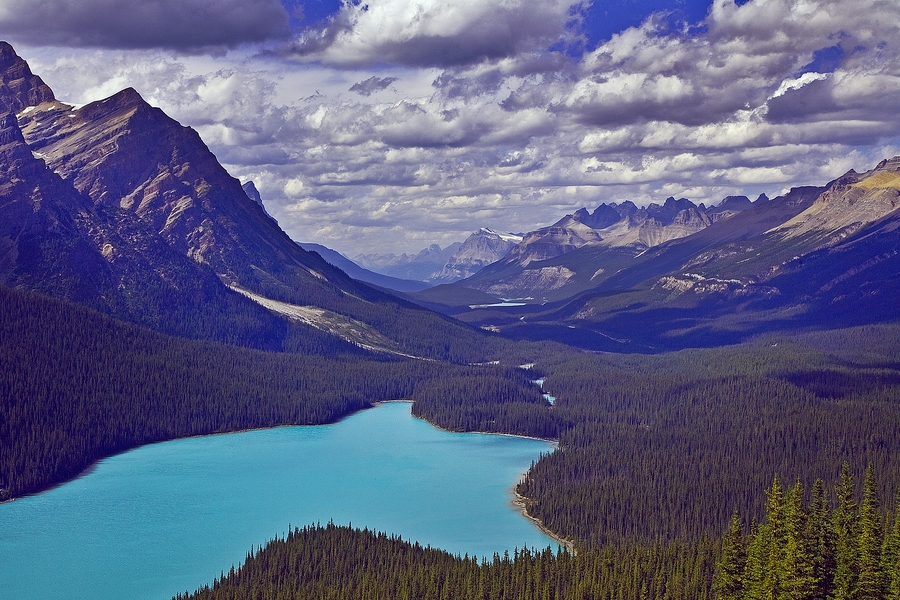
column 90, row 468
column 520, row 502
column 206, row 501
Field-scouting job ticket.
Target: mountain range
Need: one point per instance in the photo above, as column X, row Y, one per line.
column 116, row 206
column 434, row 265
column 417, row 267
column 678, row 274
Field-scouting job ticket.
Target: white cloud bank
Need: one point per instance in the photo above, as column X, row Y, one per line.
column 466, row 120
column 433, row 32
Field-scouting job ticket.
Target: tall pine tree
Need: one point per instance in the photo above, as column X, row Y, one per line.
column 844, row 525
column 729, row 580
column 870, row 584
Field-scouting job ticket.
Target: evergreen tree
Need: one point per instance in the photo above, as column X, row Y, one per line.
column 729, row 580
column 890, row 556
column 795, row 569
column 870, row 579
column 765, row 552
column 820, row 542
column 844, row 524
column 757, row 559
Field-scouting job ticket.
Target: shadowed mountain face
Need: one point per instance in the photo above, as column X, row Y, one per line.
column 125, row 154
column 56, row 241
column 134, row 215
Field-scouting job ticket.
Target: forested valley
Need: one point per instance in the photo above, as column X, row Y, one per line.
column 76, row 386
column 656, row 452
column 656, row 455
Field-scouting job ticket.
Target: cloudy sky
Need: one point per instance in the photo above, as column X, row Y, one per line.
column 388, row 125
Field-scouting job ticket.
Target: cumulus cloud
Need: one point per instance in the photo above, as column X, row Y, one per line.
column 515, row 139
column 433, row 32
column 184, row 25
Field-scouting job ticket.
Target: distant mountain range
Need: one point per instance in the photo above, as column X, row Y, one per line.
column 624, row 229
column 624, row 278
column 435, row 266
column 357, row 272
column 418, row 267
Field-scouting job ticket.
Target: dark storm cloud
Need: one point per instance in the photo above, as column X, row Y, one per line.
column 372, row 85
column 183, row 25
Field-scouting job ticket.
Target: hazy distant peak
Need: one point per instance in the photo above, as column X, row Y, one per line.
column 506, row 237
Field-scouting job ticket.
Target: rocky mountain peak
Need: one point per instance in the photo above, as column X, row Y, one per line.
column 849, row 203
column 667, row 213
column 480, row 249
column 19, row 87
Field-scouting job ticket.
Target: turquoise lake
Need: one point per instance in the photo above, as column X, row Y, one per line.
column 170, row 517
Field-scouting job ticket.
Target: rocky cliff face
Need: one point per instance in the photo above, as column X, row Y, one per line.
column 124, row 154
column 19, row 87
column 481, row 248
column 849, row 203
column 55, row 240
column 623, row 229
column 614, row 225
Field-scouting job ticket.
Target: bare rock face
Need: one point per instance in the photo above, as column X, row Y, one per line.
column 613, row 225
column 19, row 87
column 849, row 203
column 55, row 240
column 480, row 249
column 126, row 155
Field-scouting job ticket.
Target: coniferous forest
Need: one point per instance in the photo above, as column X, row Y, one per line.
column 76, row 386
column 814, row 548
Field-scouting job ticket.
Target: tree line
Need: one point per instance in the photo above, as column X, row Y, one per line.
column 76, row 385
column 809, row 550
column 337, row 563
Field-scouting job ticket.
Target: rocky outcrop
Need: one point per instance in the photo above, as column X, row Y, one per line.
column 126, row 155
column 480, row 249
column 849, row 203
column 19, row 87
column 618, row 225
